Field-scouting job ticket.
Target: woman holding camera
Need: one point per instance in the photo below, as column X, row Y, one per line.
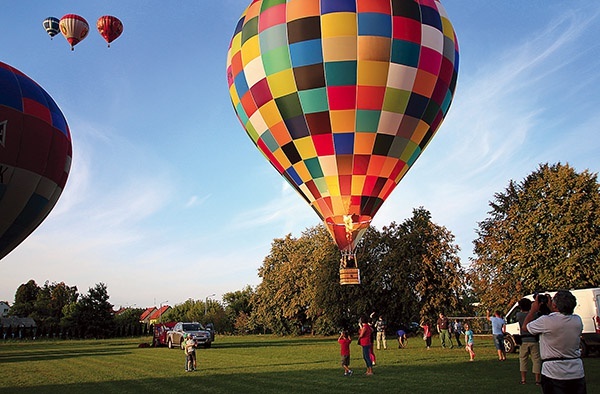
column 562, row 368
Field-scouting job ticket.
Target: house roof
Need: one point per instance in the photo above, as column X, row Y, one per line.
column 147, row 313
column 159, row 312
column 120, row 310
column 17, row 322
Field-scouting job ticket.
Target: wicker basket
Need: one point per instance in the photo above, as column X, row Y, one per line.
column 349, row 276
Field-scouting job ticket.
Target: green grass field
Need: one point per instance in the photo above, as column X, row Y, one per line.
column 259, row 364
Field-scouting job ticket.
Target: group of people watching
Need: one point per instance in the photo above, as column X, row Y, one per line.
column 446, row 330
column 559, row 334
column 369, row 332
column 550, row 337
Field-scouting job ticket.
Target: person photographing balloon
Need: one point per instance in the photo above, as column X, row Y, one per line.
column 560, row 331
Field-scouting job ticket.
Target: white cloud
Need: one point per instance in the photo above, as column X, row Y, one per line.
column 492, row 132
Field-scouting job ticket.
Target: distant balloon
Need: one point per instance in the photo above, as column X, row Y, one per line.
column 109, row 27
column 342, row 97
column 74, row 27
column 35, row 156
column 51, row 24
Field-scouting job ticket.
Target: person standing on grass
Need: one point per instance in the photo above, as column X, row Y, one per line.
column 344, row 340
column 364, row 340
column 560, row 331
column 530, row 347
column 380, row 325
column 190, row 351
column 426, row 333
column 373, row 338
column 498, row 329
column 443, row 326
column 185, row 352
column 457, row 330
column 469, row 342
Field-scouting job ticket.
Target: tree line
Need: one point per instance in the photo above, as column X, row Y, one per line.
column 61, row 312
column 541, row 234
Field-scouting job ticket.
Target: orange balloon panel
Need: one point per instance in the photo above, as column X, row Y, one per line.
column 342, row 96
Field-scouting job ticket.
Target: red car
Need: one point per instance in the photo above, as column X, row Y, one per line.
column 159, row 335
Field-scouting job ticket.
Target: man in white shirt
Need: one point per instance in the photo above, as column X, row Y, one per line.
column 562, row 368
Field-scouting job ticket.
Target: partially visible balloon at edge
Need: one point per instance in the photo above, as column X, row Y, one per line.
column 74, row 28
column 35, row 156
column 51, row 25
column 109, row 27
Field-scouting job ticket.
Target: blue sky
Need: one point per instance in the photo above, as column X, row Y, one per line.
column 168, row 199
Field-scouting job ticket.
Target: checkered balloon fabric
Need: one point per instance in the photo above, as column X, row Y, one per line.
column 342, row 96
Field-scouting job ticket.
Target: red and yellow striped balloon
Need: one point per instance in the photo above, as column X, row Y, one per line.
column 74, row 28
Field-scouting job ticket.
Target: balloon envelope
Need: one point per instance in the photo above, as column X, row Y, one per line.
column 109, row 27
column 51, row 25
column 35, row 156
column 74, row 28
column 342, row 96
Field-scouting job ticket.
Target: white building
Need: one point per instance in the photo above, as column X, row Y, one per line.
column 4, row 309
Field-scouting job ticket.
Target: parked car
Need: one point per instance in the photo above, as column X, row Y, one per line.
column 159, row 333
column 588, row 308
column 177, row 335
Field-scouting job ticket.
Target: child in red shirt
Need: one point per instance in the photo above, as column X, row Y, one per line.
column 344, row 341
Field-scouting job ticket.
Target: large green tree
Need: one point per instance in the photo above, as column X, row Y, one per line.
column 25, row 298
column 408, row 271
column 49, row 304
column 189, row 311
column 282, row 298
column 437, row 274
column 542, row 233
column 238, row 309
column 207, row 311
column 93, row 315
column 127, row 322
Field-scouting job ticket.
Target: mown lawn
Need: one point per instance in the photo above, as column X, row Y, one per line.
column 258, row 364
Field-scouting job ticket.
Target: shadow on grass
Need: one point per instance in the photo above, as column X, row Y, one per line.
column 464, row 377
column 268, row 342
column 48, row 355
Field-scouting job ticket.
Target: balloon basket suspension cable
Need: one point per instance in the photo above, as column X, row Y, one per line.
column 349, row 272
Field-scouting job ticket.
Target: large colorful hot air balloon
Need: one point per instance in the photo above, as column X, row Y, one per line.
column 109, row 27
column 35, row 156
column 51, row 26
column 342, row 96
column 75, row 28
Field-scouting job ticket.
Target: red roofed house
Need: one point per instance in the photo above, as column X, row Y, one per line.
column 156, row 315
column 145, row 316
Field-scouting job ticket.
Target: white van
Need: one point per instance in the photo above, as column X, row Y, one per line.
column 588, row 308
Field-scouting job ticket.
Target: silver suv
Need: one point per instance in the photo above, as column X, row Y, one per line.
column 177, row 335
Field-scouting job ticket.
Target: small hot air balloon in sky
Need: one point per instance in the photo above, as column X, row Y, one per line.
column 342, row 97
column 74, row 27
column 35, row 156
column 109, row 27
column 51, row 25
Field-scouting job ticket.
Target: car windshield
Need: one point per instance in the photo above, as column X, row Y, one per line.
column 192, row 327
